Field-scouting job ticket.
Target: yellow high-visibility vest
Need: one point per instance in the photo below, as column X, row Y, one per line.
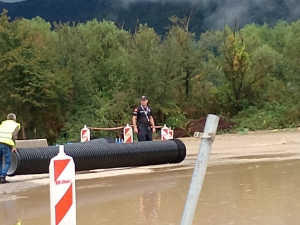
column 7, row 129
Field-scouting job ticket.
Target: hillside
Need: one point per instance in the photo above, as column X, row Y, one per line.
column 205, row 15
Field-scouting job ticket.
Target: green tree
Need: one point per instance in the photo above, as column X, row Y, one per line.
column 247, row 66
column 28, row 78
column 208, row 77
column 94, row 56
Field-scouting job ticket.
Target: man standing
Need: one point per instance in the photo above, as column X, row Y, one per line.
column 8, row 135
column 142, row 121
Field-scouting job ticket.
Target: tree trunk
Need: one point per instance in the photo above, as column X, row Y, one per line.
column 23, row 133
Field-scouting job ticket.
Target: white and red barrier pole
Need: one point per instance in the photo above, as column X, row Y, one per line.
column 164, row 133
column 85, row 134
column 62, row 189
column 128, row 134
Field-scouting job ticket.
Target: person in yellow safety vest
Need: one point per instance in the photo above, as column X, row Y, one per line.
column 8, row 135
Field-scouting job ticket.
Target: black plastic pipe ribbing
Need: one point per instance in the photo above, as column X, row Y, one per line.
column 104, row 140
column 98, row 155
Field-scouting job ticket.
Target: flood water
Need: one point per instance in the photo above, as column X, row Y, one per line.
column 263, row 193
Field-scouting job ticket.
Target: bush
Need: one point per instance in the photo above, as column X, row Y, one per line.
column 271, row 116
column 178, row 121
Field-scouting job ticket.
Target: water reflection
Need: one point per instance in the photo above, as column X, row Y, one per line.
column 8, row 213
column 150, row 206
column 262, row 193
column 254, row 193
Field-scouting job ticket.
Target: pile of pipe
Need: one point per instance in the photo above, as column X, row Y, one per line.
column 100, row 153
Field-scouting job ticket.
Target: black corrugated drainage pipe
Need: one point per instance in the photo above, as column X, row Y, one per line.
column 98, row 155
column 103, row 140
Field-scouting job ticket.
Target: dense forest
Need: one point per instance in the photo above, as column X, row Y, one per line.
column 57, row 80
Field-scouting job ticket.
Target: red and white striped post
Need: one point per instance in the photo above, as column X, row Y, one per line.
column 164, row 133
column 85, row 134
column 128, row 134
column 62, row 189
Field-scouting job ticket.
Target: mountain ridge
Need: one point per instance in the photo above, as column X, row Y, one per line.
column 205, row 15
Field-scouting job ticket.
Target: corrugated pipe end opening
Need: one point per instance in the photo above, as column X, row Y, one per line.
column 14, row 164
column 182, row 150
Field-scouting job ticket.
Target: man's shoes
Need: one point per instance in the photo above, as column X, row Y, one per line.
column 3, row 180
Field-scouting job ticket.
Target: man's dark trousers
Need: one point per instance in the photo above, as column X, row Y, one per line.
column 144, row 133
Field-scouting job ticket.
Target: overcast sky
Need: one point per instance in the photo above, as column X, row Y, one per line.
column 11, row 1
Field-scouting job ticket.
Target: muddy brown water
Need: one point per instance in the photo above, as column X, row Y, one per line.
column 243, row 189
column 247, row 193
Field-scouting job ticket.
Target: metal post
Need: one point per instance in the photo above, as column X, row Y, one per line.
column 209, row 133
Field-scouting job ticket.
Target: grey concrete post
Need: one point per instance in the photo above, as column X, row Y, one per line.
column 209, row 133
